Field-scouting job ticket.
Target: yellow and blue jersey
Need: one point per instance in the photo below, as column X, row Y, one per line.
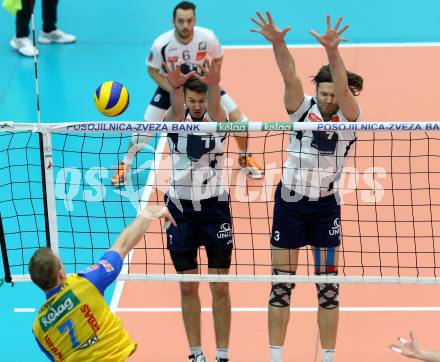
column 76, row 324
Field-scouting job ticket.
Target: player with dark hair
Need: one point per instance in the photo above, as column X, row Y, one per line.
column 192, row 46
column 198, row 202
column 306, row 211
column 75, row 323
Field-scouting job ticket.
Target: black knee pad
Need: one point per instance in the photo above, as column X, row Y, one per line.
column 184, row 260
column 280, row 292
column 328, row 294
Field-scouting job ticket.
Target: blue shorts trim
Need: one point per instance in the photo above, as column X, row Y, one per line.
column 305, row 222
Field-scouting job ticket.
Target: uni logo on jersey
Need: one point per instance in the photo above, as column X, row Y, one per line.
column 225, row 231
column 57, row 310
column 335, row 228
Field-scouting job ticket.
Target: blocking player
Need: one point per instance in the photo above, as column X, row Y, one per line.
column 306, row 211
column 198, row 202
column 75, row 323
column 192, row 46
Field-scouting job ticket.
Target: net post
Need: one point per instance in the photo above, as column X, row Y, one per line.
column 7, row 270
column 50, row 213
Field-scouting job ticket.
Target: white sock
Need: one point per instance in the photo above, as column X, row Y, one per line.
column 275, row 353
column 197, row 350
column 222, row 353
column 328, row 355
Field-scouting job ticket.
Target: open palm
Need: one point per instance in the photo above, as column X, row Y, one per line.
column 332, row 37
column 268, row 28
column 175, row 76
column 408, row 349
column 211, row 73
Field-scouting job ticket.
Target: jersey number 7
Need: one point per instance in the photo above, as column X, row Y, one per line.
column 67, row 326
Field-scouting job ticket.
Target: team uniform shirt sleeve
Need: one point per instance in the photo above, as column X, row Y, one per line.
column 154, row 59
column 105, row 271
column 215, row 50
column 304, row 106
column 48, row 355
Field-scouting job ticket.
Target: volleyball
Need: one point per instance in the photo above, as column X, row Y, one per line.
column 111, row 98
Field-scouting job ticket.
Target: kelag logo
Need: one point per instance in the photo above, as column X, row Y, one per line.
column 232, row 127
column 60, row 308
column 277, row 126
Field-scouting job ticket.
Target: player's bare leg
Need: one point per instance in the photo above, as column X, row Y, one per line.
column 191, row 310
column 285, row 262
column 246, row 161
column 221, row 311
column 136, row 143
column 328, row 316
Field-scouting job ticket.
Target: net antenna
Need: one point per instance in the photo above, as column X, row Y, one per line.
column 37, row 93
column 45, row 158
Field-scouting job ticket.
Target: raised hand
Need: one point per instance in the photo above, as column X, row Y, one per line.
column 408, row 349
column 211, row 73
column 268, row 28
column 332, row 37
column 175, row 76
column 156, row 212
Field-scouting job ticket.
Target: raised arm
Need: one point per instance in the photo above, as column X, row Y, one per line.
column 293, row 89
column 330, row 41
column 176, row 80
column 132, row 234
column 211, row 77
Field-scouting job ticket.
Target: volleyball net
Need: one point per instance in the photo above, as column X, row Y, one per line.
column 55, row 190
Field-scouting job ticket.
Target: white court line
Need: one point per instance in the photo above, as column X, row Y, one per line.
column 352, row 45
column 24, row 310
column 145, row 196
column 264, row 309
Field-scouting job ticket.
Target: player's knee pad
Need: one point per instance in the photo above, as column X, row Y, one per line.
column 328, row 294
column 281, row 292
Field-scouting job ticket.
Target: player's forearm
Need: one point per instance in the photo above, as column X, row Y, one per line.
column 177, row 100
column 131, row 235
column 213, row 98
column 284, row 60
column 338, row 71
column 158, row 79
column 428, row 356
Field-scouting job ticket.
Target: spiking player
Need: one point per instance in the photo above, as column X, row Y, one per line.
column 306, row 211
column 75, row 323
column 198, row 202
column 193, row 46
